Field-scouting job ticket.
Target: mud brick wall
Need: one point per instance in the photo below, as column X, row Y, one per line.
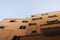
column 45, row 26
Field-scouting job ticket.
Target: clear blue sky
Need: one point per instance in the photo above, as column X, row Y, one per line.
column 25, row 8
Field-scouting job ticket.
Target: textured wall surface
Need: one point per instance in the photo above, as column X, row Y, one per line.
column 45, row 26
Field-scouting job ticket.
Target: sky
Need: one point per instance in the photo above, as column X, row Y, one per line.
column 25, row 8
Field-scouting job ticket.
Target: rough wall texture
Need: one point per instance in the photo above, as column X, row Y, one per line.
column 45, row 26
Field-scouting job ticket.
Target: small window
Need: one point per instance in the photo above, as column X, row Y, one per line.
column 30, row 24
column 1, row 27
column 53, row 22
column 12, row 20
column 41, row 18
column 44, row 14
column 52, row 16
column 22, row 27
column 32, row 16
column 56, row 21
column 34, row 31
column 37, row 18
column 25, row 21
column 16, row 38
